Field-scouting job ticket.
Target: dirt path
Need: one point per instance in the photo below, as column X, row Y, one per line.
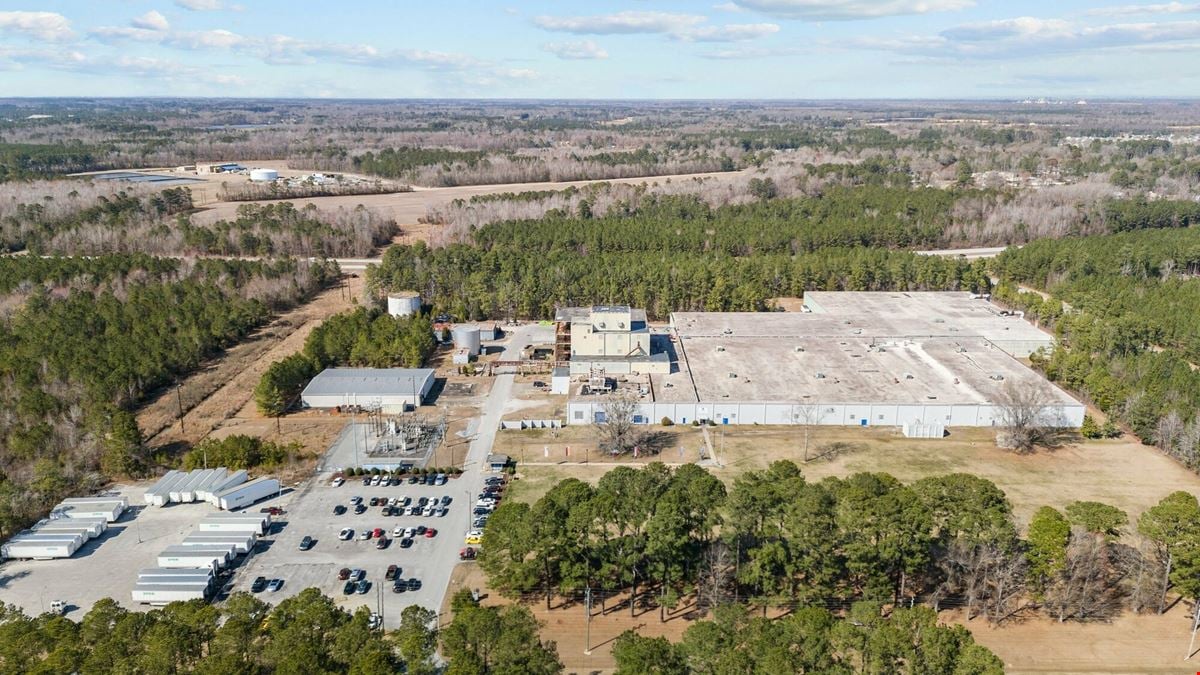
column 221, row 388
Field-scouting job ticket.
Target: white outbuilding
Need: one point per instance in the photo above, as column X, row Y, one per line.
column 388, row 389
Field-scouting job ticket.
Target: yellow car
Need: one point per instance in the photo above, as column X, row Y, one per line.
column 474, row 537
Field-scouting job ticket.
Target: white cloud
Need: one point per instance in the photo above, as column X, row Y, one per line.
column 628, row 22
column 46, row 26
column 728, row 7
column 1032, row 37
column 839, row 10
column 735, row 32
column 201, row 5
column 741, row 53
column 576, row 50
column 1162, row 8
column 151, row 20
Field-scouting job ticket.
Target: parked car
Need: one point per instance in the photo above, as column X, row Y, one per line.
column 339, row 510
column 357, row 575
column 414, row 584
column 362, row 587
column 439, row 479
column 346, row 534
column 422, row 501
column 430, row 511
column 411, row 511
column 407, row 532
column 445, row 501
column 403, row 500
column 356, row 500
column 474, row 537
column 442, row 512
column 412, row 480
column 479, row 522
column 392, row 571
column 467, row 553
column 376, row 480
column 375, row 622
column 382, row 543
column 359, row 509
column 493, row 480
column 430, row 533
column 485, row 501
column 274, row 585
column 364, row 535
column 399, row 586
column 258, row 584
column 344, row 574
column 405, row 543
column 377, row 532
column 420, row 529
column 482, row 510
column 306, row 543
column 374, row 501
column 367, row 481
column 397, row 532
column 338, row 481
column 387, row 511
column 348, row 589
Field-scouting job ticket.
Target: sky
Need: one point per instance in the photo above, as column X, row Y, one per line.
column 616, row 49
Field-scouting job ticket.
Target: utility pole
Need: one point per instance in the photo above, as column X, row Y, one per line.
column 587, row 607
column 179, row 400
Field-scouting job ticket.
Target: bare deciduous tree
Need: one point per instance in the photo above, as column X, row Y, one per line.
column 618, row 433
column 1022, row 412
column 716, row 576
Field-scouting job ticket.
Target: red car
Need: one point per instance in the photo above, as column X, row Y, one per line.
column 467, row 553
column 430, row 533
column 377, row 532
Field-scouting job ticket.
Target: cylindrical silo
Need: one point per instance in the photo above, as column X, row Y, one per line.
column 404, row 303
column 466, row 337
column 263, row 175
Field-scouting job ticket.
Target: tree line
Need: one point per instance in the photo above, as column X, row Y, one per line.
column 304, row 634
column 678, row 540
column 362, row 337
column 77, row 357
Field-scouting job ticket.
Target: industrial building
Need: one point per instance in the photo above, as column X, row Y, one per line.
column 921, row 361
column 390, row 390
column 613, row 339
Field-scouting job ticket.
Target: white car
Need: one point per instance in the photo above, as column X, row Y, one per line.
column 442, row 512
column 364, row 535
column 346, row 534
column 411, row 511
column 410, row 531
column 394, row 501
column 397, row 532
column 376, row 480
column 337, row 482
column 486, row 501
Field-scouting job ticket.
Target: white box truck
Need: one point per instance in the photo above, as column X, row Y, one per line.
column 214, row 557
column 110, row 511
column 152, row 572
column 236, row 522
column 94, row 526
column 39, row 549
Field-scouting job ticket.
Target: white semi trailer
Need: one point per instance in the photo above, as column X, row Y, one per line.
column 242, row 542
column 155, row 594
column 246, row 494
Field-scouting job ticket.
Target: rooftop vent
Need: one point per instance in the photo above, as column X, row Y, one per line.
column 720, row 348
column 961, row 349
column 931, row 397
column 733, row 376
column 798, row 349
column 908, row 376
column 819, row 376
column 602, row 324
column 858, row 331
column 997, row 377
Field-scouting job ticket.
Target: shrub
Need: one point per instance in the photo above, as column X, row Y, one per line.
column 667, row 421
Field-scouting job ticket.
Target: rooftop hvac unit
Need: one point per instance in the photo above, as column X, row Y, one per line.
column 733, row 376
column 961, row 349
column 720, row 348
column 908, row 376
column 819, row 376
column 858, row 331
column 997, row 377
column 798, row 349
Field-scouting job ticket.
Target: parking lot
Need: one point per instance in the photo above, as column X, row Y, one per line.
column 310, row 512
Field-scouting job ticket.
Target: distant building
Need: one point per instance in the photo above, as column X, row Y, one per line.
column 388, row 389
column 217, row 167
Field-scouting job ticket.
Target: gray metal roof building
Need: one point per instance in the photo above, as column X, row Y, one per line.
column 391, row 389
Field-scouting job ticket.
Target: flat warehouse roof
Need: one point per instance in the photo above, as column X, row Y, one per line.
column 869, row 314
column 369, row 381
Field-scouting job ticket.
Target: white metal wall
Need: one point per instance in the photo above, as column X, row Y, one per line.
column 827, row 414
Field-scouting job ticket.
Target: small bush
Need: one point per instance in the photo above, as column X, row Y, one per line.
column 667, row 421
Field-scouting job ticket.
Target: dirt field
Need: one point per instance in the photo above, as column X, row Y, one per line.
column 407, row 207
column 1121, row 472
column 223, row 389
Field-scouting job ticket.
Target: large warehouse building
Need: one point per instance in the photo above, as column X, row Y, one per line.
column 390, row 390
column 850, row 358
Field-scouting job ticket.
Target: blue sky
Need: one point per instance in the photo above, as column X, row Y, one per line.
column 619, row 49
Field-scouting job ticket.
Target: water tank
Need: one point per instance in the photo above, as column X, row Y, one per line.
column 263, row 175
column 466, row 337
column 404, row 303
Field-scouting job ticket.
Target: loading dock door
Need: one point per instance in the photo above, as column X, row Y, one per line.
column 864, row 422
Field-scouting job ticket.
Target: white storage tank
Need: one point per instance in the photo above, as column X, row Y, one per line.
column 263, row 175
column 466, row 337
column 404, row 303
